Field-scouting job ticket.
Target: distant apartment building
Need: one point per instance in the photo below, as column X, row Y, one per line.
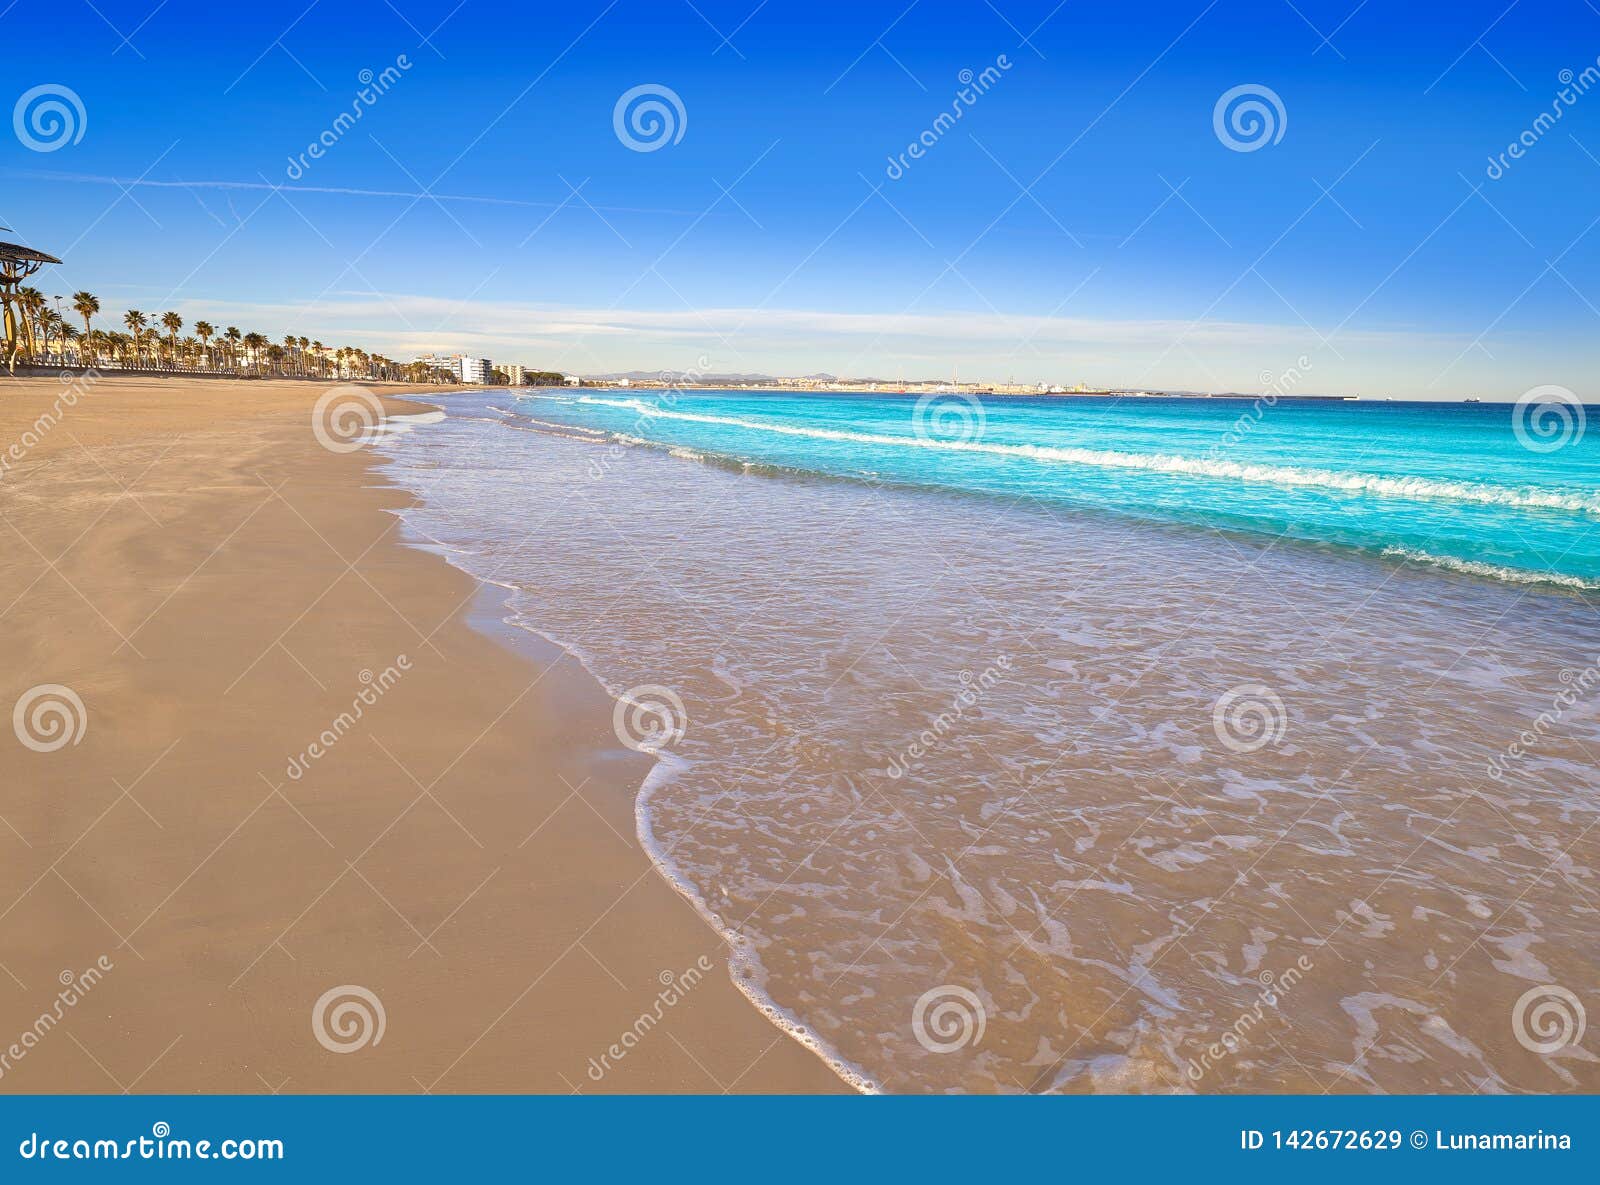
column 466, row 370
column 513, row 373
column 449, row 362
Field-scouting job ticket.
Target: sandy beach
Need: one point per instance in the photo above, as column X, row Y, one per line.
column 217, row 589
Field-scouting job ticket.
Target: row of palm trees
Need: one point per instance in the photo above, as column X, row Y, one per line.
column 50, row 338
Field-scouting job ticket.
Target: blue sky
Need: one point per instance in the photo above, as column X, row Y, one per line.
column 1082, row 221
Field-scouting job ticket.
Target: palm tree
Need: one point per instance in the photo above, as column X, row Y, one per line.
column 49, row 322
column 232, row 334
column 171, row 322
column 322, row 362
column 86, row 305
column 254, row 343
column 204, row 330
column 135, row 321
column 31, row 302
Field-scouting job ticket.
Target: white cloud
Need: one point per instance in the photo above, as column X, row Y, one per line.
column 1159, row 353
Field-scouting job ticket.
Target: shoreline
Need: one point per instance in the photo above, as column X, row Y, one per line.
column 230, row 898
column 490, row 613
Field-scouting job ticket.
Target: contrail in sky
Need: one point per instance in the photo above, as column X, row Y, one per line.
column 344, row 191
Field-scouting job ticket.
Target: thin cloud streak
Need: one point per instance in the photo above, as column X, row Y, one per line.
column 337, row 190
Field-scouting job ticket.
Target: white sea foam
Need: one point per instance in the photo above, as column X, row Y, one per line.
column 1380, row 485
column 394, row 425
column 1492, row 571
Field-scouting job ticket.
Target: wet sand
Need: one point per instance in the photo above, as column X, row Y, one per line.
column 219, row 590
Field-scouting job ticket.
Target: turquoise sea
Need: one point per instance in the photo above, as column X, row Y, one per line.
column 1450, row 483
column 1074, row 744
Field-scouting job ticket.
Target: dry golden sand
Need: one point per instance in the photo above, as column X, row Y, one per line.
column 212, row 583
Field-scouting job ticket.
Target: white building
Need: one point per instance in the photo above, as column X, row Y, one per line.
column 571, row 380
column 476, row 370
column 513, row 373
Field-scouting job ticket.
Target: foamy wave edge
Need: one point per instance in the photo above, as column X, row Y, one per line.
column 1492, row 571
column 745, row 968
column 1167, row 463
